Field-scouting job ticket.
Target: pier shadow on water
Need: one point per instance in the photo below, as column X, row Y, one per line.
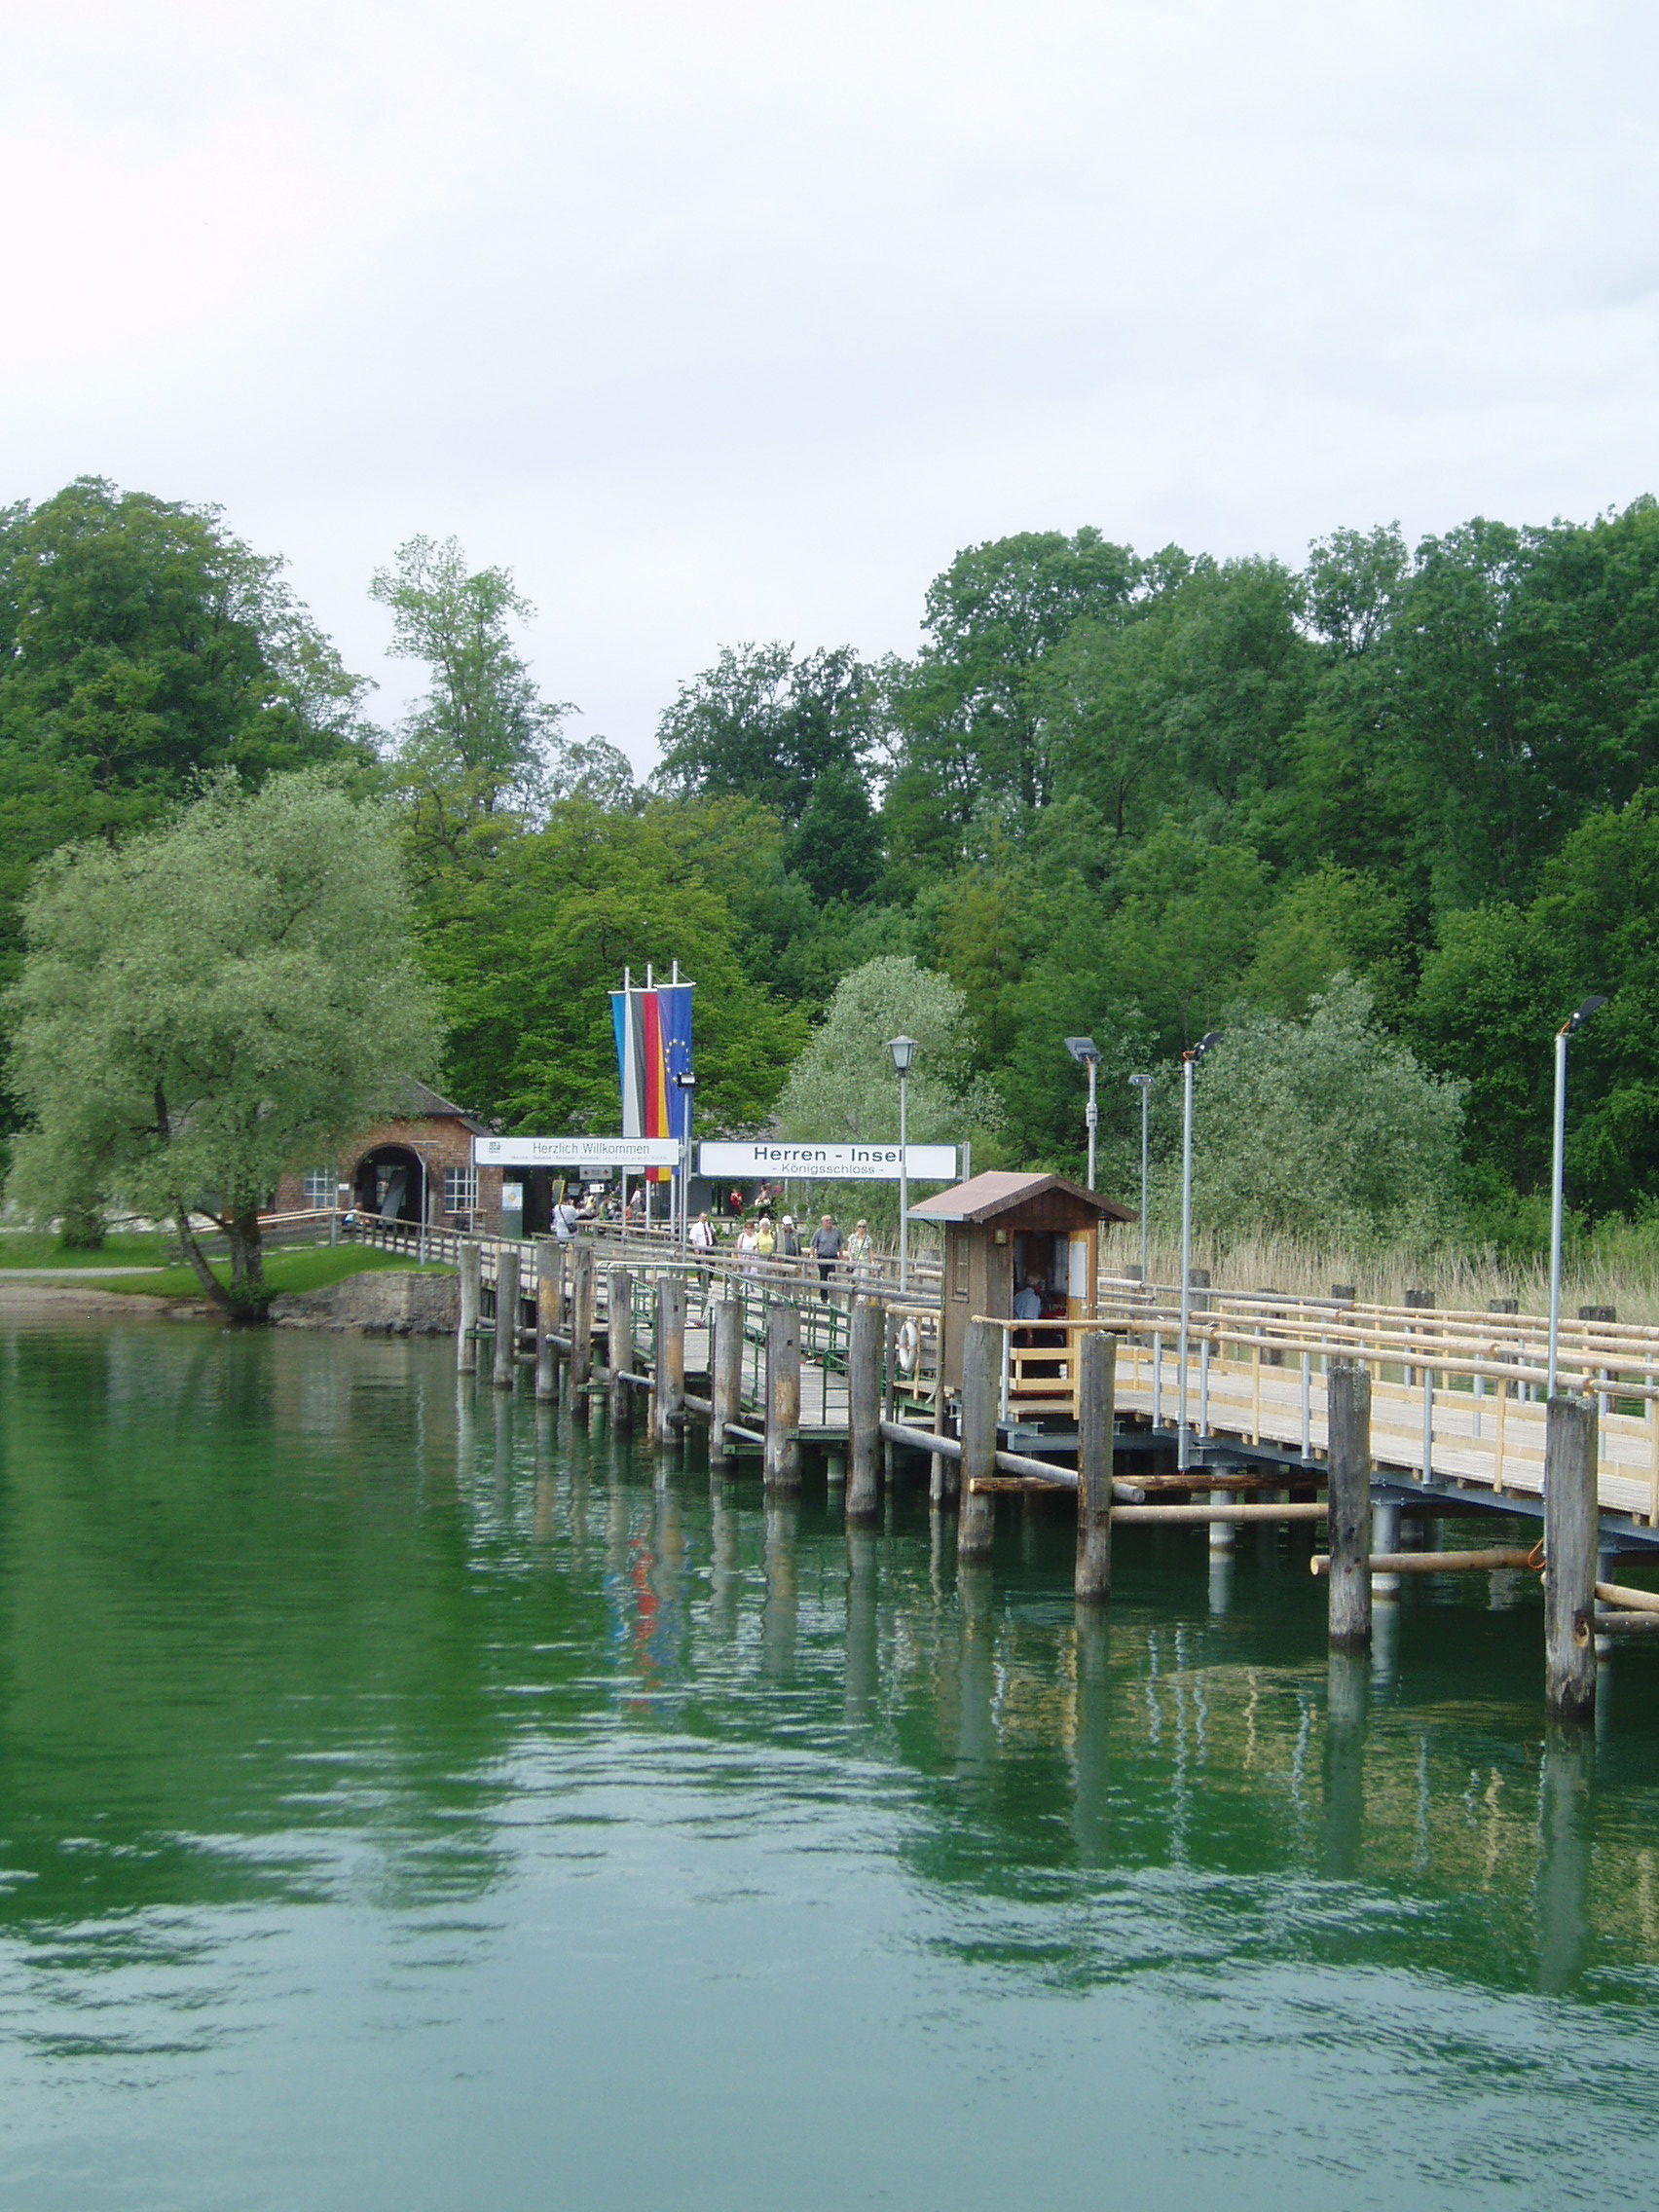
column 409, row 1796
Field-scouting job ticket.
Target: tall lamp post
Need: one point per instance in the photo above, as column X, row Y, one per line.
column 1087, row 1053
column 1188, row 1067
column 1558, row 1176
column 685, row 1082
column 904, row 1050
column 1143, row 1084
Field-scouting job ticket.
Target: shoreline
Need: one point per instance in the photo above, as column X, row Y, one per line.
column 65, row 1301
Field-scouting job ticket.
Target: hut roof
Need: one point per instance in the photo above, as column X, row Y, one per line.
column 420, row 1102
column 1000, row 1191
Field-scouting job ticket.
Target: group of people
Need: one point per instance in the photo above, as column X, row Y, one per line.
column 826, row 1248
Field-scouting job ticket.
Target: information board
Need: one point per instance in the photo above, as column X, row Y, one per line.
column 771, row 1161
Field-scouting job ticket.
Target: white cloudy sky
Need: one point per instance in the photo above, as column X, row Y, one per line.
column 722, row 320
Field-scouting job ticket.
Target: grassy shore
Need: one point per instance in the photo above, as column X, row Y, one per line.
column 285, row 1272
column 40, row 1249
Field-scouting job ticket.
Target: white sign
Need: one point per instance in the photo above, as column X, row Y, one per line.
column 827, row 1163
column 576, row 1152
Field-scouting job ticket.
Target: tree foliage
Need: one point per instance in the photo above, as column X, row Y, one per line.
column 211, row 1001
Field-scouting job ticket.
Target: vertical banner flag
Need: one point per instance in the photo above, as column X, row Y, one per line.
column 653, row 1043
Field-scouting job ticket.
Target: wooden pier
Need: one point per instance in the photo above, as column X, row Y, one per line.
column 1288, row 1409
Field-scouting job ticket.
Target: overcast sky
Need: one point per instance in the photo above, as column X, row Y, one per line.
column 727, row 319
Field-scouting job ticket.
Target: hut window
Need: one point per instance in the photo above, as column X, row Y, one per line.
column 460, row 1189
column 320, row 1186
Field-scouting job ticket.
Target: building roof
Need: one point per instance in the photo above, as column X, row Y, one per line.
column 1001, row 1192
column 420, row 1103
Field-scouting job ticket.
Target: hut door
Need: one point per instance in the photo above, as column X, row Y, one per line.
column 1079, row 1275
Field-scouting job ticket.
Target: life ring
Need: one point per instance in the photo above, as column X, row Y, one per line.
column 908, row 1347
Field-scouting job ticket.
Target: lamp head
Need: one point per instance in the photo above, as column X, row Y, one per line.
column 1206, row 1042
column 904, row 1050
column 1141, row 1082
column 1083, row 1048
column 1577, row 1020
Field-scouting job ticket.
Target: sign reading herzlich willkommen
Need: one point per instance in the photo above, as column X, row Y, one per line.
column 770, row 1160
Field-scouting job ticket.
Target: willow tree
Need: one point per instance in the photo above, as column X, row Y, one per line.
column 210, row 1001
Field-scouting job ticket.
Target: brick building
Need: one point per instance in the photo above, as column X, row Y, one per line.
column 417, row 1164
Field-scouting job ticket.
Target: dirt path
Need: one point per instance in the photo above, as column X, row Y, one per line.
column 66, row 1300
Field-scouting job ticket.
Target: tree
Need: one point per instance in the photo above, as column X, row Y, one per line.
column 482, row 743
column 763, row 725
column 1324, row 1129
column 526, row 951
column 142, row 647
column 211, row 1001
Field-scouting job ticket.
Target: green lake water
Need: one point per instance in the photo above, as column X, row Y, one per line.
column 409, row 1800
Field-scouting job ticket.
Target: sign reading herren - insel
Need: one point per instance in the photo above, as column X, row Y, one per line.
column 828, row 1162
column 576, row 1152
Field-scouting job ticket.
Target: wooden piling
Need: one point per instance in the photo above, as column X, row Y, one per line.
column 982, row 1391
column 505, row 1366
column 1571, row 1526
column 725, row 1373
column 466, row 1327
column 781, row 1456
column 1348, row 1503
column 863, row 1410
column 581, row 1318
column 941, row 1465
column 549, row 1312
column 619, row 1344
column 668, row 1369
column 1096, row 1416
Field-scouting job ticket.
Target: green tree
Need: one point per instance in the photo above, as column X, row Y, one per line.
column 763, row 725
column 1323, row 1128
column 142, row 647
column 211, row 1001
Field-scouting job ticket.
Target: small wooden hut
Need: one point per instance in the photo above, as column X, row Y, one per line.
column 1002, row 1231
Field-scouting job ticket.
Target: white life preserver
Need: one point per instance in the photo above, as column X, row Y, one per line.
column 908, row 1347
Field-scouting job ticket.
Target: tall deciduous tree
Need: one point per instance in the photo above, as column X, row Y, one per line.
column 210, row 1001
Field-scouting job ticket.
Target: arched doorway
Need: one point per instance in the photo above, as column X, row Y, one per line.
column 391, row 1182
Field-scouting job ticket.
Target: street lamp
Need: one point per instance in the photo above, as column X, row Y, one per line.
column 685, row 1082
column 1189, row 1065
column 1558, row 1178
column 1143, row 1084
column 1087, row 1051
column 904, row 1050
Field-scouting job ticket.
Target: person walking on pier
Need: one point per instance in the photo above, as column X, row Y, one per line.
column 861, row 1253
column 826, row 1251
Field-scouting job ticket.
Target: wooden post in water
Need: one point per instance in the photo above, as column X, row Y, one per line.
column 1571, row 1526
column 1347, row 1503
column 982, row 1393
column 506, row 1373
column 668, row 1370
column 725, row 1372
column 863, row 1410
column 781, row 1463
column 466, row 1327
column 549, row 1312
column 618, row 1344
column 1097, row 1414
column 581, row 1320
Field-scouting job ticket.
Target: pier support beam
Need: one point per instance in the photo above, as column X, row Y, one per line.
column 581, row 1320
column 1096, row 1411
column 549, row 1312
column 725, row 1373
column 619, row 1344
column 466, row 1327
column 1384, row 1544
column 981, row 1390
column 781, row 1461
column 1571, row 1526
column 505, row 1371
column 668, row 1369
column 863, row 1410
column 1348, row 1503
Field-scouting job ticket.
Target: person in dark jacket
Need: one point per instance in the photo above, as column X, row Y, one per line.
column 826, row 1251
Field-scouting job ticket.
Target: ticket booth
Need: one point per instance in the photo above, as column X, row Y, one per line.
column 1003, row 1231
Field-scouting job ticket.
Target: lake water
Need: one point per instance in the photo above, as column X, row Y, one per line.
column 408, row 1800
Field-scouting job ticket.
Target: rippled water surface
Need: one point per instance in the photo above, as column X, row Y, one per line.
column 410, row 1801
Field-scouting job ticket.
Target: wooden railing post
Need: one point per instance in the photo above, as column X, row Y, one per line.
column 549, row 1312
column 1096, row 1417
column 668, row 1368
column 781, row 1465
column 981, row 1377
column 1348, row 1501
column 506, row 1373
column 1572, row 1527
column 618, row 1343
column 863, row 1410
column 725, row 1372
column 467, row 1326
